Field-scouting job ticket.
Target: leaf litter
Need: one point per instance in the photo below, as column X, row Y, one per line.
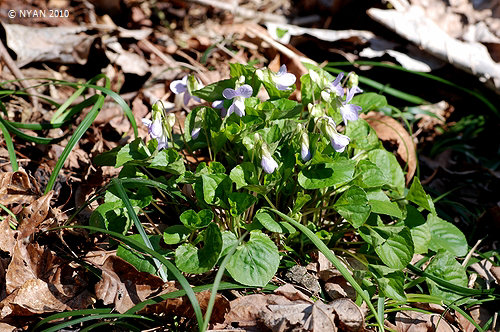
column 39, row 280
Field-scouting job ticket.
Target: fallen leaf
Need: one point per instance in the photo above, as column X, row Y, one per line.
column 56, row 44
column 350, row 316
column 37, row 281
column 34, row 214
column 484, row 269
column 245, row 311
column 338, row 287
column 8, row 236
column 16, row 188
column 316, row 317
column 124, row 286
column 182, row 307
column 291, row 293
column 299, row 275
column 391, row 131
column 412, row 321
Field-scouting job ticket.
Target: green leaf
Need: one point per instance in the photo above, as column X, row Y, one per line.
column 240, row 202
column 369, row 101
column 445, row 266
column 381, row 204
column 418, row 196
column 285, row 109
column 137, row 259
column 135, row 150
column 266, row 220
column 213, row 188
column 363, row 137
column 445, row 235
column 193, row 220
column 388, row 164
column 326, row 175
column 214, row 91
column 243, row 175
column 353, row 206
column 190, row 259
column 300, row 201
column 397, row 250
column 168, row 160
column 228, row 241
column 390, row 281
column 368, row 175
column 176, row 234
column 255, row 262
column 419, row 228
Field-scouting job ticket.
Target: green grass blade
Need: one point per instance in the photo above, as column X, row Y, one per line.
column 179, row 293
column 93, row 317
column 335, row 261
column 26, row 137
column 217, row 280
column 386, row 89
column 58, row 114
column 71, row 314
column 475, row 94
column 80, row 130
column 450, row 286
column 467, row 316
column 10, row 147
column 171, row 267
column 130, row 209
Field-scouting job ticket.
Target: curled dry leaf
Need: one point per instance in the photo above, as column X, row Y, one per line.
column 34, row 214
column 411, row 321
column 317, row 317
column 181, row 306
column 245, row 311
column 391, row 131
column 338, row 287
column 350, row 316
column 291, row 293
column 8, row 236
column 39, row 282
column 16, row 188
column 123, row 285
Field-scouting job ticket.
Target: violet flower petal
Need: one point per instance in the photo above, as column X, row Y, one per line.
column 268, row 164
column 229, row 93
column 244, row 91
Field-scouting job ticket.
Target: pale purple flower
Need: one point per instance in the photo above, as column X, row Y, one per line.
column 219, row 104
column 348, row 111
column 339, row 141
column 305, row 152
column 284, row 80
column 154, row 127
column 336, row 86
column 239, row 95
column 268, row 164
column 156, row 131
column 195, row 133
column 180, row 86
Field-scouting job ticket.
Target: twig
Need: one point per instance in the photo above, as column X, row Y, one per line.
column 242, row 12
column 469, row 255
column 5, row 56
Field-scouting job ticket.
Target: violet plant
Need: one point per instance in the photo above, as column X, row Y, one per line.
column 316, row 162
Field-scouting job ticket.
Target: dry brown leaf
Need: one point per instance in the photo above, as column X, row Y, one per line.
column 300, row 317
column 392, row 132
column 181, row 306
column 8, row 236
column 338, row 287
column 292, row 293
column 39, row 282
column 16, row 188
column 123, row 285
column 34, row 214
column 299, row 275
column 350, row 316
column 412, row 321
column 484, row 269
column 245, row 311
